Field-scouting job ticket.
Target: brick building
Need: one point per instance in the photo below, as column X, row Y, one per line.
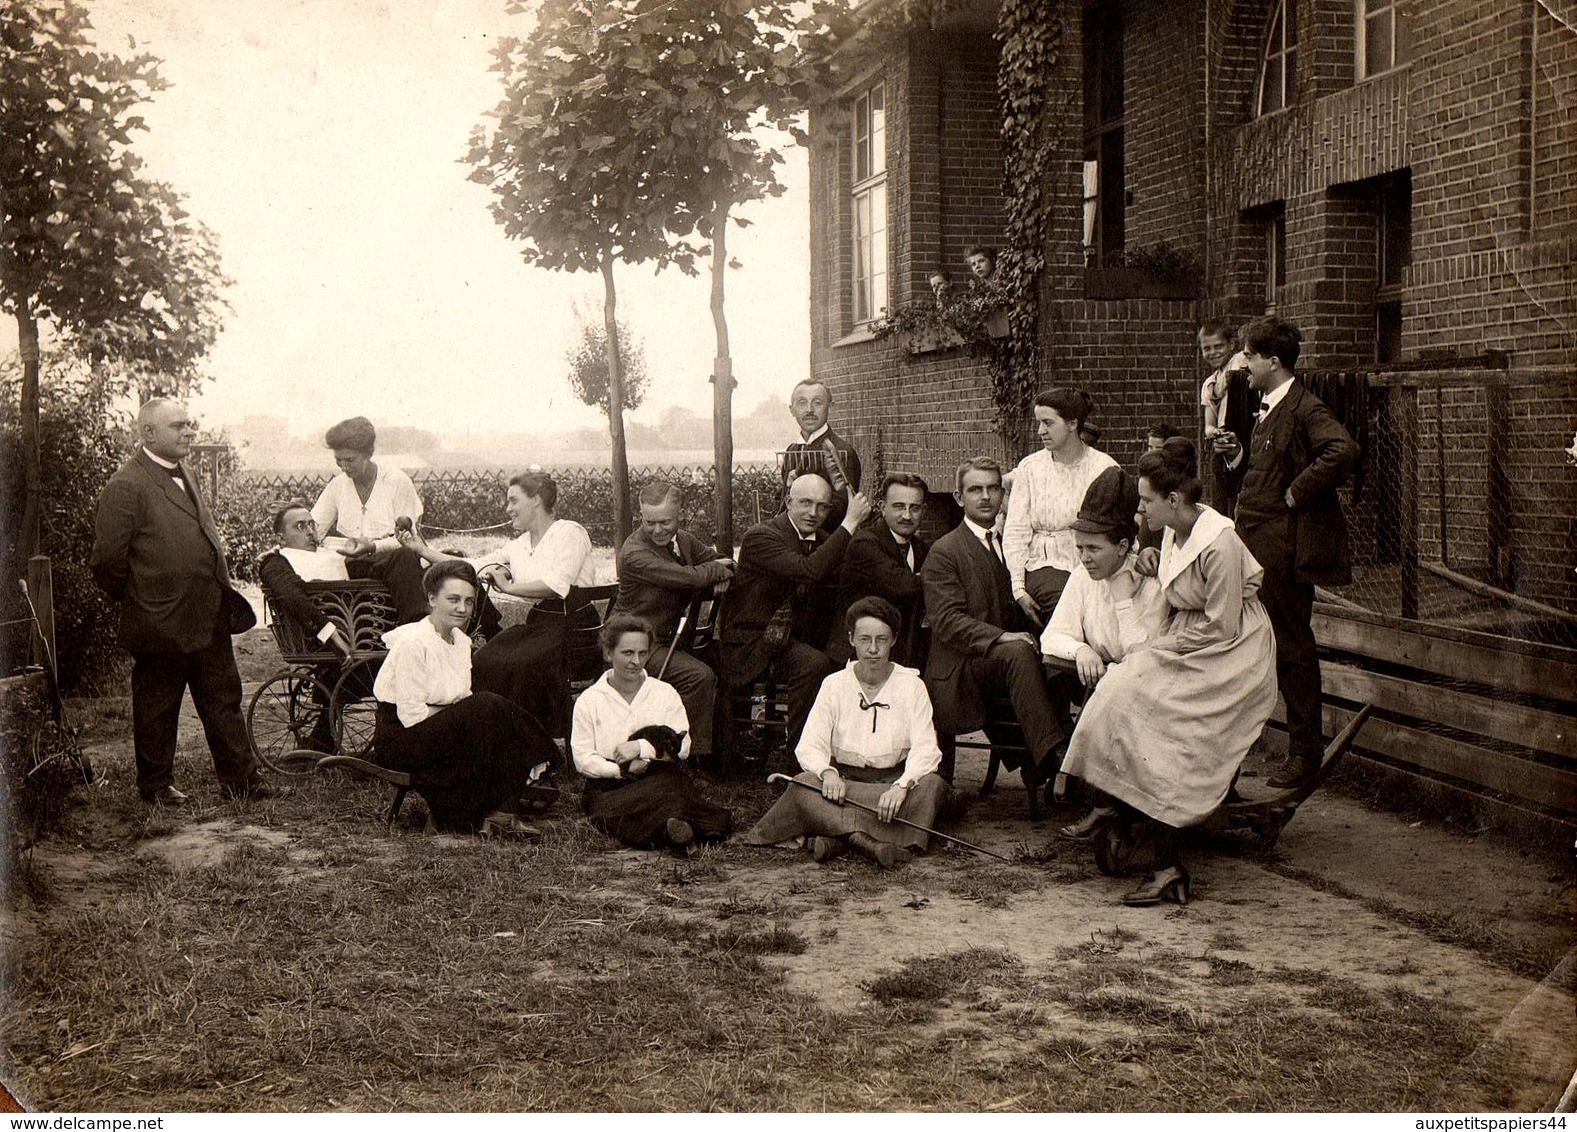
column 1396, row 177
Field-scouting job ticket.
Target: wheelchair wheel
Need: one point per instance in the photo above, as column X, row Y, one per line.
column 353, row 709
column 286, row 723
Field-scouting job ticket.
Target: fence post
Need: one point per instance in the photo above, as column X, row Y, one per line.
column 41, row 592
column 1407, row 420
column 1502, row 553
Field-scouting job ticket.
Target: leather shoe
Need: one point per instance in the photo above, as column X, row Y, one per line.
column 1168, row 884
column 1088, row 826
column 826, row 848
column 1296, row 771
column 884, row 853
column 681, row 837
column 166, row 796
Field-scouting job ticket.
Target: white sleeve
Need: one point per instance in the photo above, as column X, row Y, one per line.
column 583, row 737
column 924, row 753
column 402, row 681
column 815, row 741
column 325, row 512
column 559, row 561
column 673, row 715
column 1016, row 529
column 1064, row 634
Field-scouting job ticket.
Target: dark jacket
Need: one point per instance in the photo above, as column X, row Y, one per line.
column 655, row 585
column 1300, row 446
column 802, row 457
column 287, row 591
column 876, row 566
column 157, row 553
column 772, row 571
column 969, row 600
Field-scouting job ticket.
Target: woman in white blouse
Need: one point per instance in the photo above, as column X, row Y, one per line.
column 1048, row 486
column 630, row 739
column 470, row 756
column 1165, row 731
column 869, row 738
column 543, row 564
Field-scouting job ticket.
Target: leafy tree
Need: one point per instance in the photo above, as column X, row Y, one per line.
column 588, row 364
column 87, row 243
column 579, row 162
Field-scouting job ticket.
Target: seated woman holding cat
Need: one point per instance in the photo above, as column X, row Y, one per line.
column 629, row 739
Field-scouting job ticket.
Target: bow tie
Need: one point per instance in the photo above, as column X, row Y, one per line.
column 873, row 706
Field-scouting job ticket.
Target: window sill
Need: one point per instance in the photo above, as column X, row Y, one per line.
column 855, row 337
column 1361, row 79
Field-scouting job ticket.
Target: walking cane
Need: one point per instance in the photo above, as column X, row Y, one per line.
column 673, row 644
column 899, row 820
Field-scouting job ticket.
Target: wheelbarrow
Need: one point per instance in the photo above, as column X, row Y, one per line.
column 1119, row 841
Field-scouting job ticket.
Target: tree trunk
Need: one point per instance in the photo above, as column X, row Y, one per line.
column 621, row 459
column 722, row 392
column 33, row 463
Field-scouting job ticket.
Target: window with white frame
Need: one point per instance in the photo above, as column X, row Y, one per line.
column 1381, row 38
column 869, row 204
column 1278, row 72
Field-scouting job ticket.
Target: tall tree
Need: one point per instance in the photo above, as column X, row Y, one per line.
column 738, row 77
column 588, row 364
column 576, row 161
column 87, row 243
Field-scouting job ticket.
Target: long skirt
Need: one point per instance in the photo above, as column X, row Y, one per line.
column 1166, row 732
column 526, row 665
column 637, row 812
column 468, row 760
column 803, row 813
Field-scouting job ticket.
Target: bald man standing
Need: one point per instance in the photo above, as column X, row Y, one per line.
column 778, row 613
column 157, row 553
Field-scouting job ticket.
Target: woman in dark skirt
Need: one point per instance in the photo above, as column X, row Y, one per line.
column 629, row 739
column 470, row 756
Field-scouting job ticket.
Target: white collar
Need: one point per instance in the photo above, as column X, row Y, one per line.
column 1270, row 400
column 159, row 460
column 1175, row 559
column 817, row 435
column 606, row 684
column 977, row 530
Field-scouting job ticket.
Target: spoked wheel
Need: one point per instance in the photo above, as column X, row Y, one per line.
column 1115, row 843
column 353, row 709
column 286, row 722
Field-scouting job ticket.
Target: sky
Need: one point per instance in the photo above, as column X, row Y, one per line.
column 320, row 140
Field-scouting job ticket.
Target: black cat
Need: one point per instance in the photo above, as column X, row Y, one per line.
column 665, row 740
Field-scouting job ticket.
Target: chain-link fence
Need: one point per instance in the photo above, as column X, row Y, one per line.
column 1462, row 513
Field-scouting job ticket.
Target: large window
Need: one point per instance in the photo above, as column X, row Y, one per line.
column 1278, row 73
column 870, row 204
column 1381, row 36
column 1393, row 252
column 1104, row 191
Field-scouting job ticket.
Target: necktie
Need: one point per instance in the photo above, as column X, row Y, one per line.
column 180, row 480
column 994, row 548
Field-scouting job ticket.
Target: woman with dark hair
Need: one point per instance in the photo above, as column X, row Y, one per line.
column 1165, row 731
column 544, row 564
column 870, row 739
column 630, row 739
column 469, row 755
column 1048, row 487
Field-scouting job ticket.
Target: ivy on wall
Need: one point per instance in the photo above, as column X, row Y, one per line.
column 1030, row 35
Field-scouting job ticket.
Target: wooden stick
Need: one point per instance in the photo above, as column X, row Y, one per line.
column 895, row 818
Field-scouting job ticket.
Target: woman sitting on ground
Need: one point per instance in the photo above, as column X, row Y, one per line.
column 470, row 755
column 630, row 739
column 549, row 558
column 1165, row 731
column 869, row 738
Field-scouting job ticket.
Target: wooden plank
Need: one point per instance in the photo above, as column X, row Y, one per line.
column 1507, row 669
column 41, row 593
column 1511, row 723
column 1477, row 638
column 1490, row 770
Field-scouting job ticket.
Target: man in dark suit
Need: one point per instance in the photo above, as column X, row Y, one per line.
column 819, row 449
column 663, row 572
column 1290, row 519
column 982, row 643
column 157, row 553
column 779, row 611
column 884, row 560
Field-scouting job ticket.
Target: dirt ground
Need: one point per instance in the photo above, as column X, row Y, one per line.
column 1351, row 900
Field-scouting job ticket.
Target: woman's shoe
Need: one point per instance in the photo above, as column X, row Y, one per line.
column 884, row 853
column 826, row 848
column 1088, row 826
column 507, row 827
column 1168, row 884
